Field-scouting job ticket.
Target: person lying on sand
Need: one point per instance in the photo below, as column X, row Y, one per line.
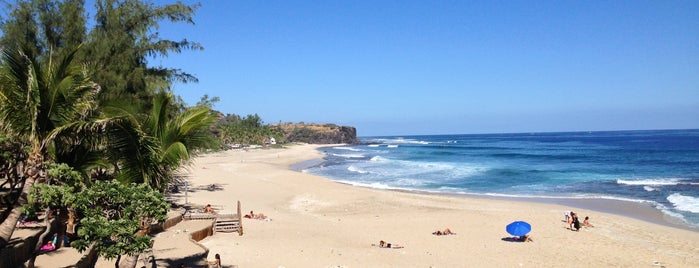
column 51, row 245
column 383, row 244
column 209, row 209
column 445, row 232
column 252, row 215
column 526, row 238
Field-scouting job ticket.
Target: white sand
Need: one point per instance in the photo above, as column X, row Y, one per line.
column 320, row 223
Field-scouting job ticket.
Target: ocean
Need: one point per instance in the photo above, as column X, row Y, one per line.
column 658, row 167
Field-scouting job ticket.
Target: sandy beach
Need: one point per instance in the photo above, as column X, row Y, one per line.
column 315, row 222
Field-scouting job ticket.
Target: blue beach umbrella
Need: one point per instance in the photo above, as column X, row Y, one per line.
column 518, row 228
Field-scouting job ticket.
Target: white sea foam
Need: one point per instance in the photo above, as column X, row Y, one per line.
column 651, row 182
column 378, row 159
column 349, row 155
column 348, row 148
column 373, row 145
column 649, row 189
column 684, row 203
column 410, row 182
column 446, row 170
column 399, row 141
column 576, row 196
column 424, row 170
column 368, row 185
column 392, row 146
column 356, row 169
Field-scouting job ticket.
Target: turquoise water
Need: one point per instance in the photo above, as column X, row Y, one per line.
column 657, row 167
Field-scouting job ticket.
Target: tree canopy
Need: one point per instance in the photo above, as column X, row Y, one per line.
column 87, row 101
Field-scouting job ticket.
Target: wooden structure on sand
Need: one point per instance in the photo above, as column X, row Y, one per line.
column 225, row 222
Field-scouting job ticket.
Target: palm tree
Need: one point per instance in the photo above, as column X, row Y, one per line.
column 41, row 104
column 148, row 150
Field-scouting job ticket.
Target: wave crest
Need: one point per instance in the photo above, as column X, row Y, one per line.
column 651, row 182
column 347, row 148
column 356, row 169
column 378, row 159
column 684, row 203
column 349, row 155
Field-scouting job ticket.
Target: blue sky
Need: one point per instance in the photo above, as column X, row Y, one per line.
column 447, row 67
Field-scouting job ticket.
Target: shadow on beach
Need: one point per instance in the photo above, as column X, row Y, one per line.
column 512, row 239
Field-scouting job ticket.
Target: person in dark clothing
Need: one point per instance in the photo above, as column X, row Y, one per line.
column 575, row 226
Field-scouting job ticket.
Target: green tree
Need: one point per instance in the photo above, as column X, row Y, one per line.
column 13, row 152
column 122, row 41
column 117, row 48
column 56, row 194
column 151, row 148
column 247, row 130
column 114, row 213
column 21, row 29
column 46, row 27
column 41, row 104
column 208, row 101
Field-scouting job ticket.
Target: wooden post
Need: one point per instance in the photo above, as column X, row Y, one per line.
column 186, row 188
column 240, row 220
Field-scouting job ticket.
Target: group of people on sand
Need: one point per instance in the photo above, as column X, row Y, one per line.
column 443, row 232
column 574, row 223
column 384, row 244
column 251, row 215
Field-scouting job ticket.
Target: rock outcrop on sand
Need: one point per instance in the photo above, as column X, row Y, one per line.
column 319, row 133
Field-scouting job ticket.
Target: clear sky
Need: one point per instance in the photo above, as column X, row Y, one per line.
column 448, row 67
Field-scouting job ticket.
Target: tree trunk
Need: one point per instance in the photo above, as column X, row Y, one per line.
column 8, row 225
column 128, row 261
column 49, row 224
column 33, row 169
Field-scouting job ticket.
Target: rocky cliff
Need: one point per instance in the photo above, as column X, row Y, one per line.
column 319, row 133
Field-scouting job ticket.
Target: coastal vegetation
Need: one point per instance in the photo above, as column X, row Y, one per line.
column 87, row 125
column 91, row 132
column 318, row 133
